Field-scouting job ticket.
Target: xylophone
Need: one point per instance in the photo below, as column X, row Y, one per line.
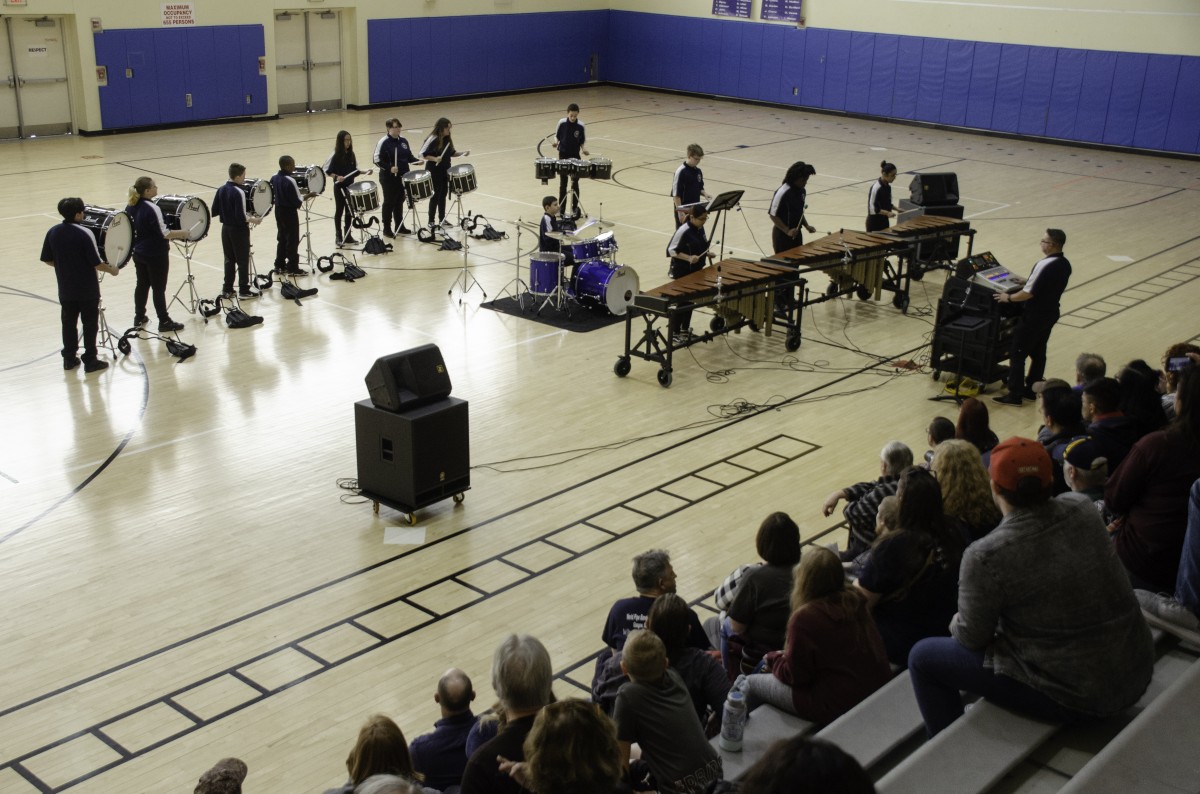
column 851, row 259
column 933, row 237
column 741, row 293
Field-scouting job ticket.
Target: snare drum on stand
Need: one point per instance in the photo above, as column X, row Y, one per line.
column 462, row 178
column 113, row 231
column 310, row 179
column 185, row 213
column 363, row 197
column 418, row 185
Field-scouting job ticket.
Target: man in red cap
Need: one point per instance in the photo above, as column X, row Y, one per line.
column 1047, row 622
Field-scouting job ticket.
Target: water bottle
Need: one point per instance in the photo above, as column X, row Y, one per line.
column 733, row 722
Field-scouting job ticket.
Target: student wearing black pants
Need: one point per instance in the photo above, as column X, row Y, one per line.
column 879, row 200
column 436, row 152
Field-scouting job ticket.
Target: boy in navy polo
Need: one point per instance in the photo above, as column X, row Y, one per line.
column 570, row 140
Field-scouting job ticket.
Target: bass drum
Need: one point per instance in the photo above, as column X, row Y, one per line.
column 310, row 179
column 185, row 213
column 259, row 196
column 606, row 287
column 113, row 231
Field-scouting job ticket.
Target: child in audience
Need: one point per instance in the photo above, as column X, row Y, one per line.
column 655, row 710
column 939, row 430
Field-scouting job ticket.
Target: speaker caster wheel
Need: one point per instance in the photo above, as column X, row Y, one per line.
column 458, row 498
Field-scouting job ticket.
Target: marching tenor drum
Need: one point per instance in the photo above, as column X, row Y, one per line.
column 113, row 231
column 601, row 168
column 185, row 213
column 462, row 178
column 259, row 195
column 363, row 196
column 545, row 168
column 419, row 185
column 310, row 179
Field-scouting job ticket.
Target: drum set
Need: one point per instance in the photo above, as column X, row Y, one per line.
column 598, row 282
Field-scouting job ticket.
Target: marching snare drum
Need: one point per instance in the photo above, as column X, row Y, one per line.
column 363, row 197
column 310, row 179
column 605, row 286
column 185, row 213
column 582, row 250
column 259, row 195
column 113, row 231
column 544, row 270
column 601, row 168
column 419, row 185
column 545, row 168
column 462, row 178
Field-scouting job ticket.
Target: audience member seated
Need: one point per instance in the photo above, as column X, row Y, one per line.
column 1086, row 472
column 939, row 430
column 966, row 489
column 1182, row 610
column 521, row 676
column 572, row 749
column 1171, row 373
column 759, row 612
column 441, row 756
column 801, row 765
column 1061, row 409
column 722, row 598
column 380, row 750
column 225, row 777
column 701, row 673
column 1141, row 399
column 387, row 784
column 973, row 425
column 887, row 519
column 1047, row 623
column 486, row 726
column 655, row 712
column 1149, row 493
column 910, row 580
column 653, row 575
column 1102, row 412
column 834, row 656
column 862, row 499
column 1088, row 367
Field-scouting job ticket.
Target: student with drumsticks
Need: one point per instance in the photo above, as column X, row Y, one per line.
column 570, row 139
column 229, row 204
column 342, row 165
column 288, row 201
column 392, row 156
column 71, row 250
column 436, row 152
column 688, row 250
column 151, row 253
column 879, row 201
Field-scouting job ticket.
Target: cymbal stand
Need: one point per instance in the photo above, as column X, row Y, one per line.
column 519, row 287
column 185, row 248
column 465, row 280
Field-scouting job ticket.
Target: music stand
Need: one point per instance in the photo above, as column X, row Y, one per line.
column 723, row 202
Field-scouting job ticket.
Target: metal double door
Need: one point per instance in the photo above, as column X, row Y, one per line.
column 308, row 60
column 35, row 98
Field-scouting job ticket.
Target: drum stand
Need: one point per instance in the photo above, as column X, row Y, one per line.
column 309, row 255
column 466, row 279
column 186, row 247
column 104, row 335
column 516, row 284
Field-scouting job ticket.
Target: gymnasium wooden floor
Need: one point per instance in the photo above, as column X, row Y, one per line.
column 181, row 576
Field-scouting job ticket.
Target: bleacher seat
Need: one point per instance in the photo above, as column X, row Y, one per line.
column 879, row 724
column 766, row 726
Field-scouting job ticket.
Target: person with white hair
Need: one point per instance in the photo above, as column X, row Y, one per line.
column 862, row 499
column 521, row 676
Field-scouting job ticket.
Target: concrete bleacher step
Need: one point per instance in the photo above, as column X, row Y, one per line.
column 879, row 724
column 1157, row 751
column 765, row 726
column 970, row 755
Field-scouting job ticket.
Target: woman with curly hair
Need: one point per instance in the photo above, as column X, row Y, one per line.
column 966, row 488
column 572, row 747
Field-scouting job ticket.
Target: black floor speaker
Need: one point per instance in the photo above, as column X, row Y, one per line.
column 415, row 457
column 935, row 188
column 409, row 378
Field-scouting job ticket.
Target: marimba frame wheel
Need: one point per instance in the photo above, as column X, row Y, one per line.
column 900, row 301
column 863, row 293
column 622, row 367
column 792, row 343
column 664, row 378
column 717, row 324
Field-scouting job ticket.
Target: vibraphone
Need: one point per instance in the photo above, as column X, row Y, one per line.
column 932, row 238
column 741, row 293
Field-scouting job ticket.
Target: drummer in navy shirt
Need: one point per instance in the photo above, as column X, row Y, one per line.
column 879, row 200
column 229, row 204
column 151, row 253
column 687, row 186
column 393, row 156
column 570, row 139
column 288, row 201
column 71, row 250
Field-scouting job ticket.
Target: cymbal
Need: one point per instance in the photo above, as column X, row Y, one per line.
column 598, row 223
column 560, row 236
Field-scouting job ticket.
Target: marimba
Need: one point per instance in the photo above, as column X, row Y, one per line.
column 740, row 292
column 933, row 238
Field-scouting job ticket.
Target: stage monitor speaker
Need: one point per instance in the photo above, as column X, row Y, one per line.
column 416, row 457
column 408, row 379
column 930, row 189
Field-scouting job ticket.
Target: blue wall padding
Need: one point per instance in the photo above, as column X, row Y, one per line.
column 957, row 85
column 1126, row 99
column 1183, row 130
column 931, row 83
column 1035, row 95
